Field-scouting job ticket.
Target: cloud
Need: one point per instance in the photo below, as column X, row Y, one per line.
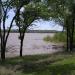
column 46, row 25
column 40, row 25
column 10, row 17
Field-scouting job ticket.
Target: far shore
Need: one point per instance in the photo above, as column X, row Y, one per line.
column 36, row 31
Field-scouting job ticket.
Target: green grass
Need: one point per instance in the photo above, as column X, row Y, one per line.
column 54, row 64
column 58, row 37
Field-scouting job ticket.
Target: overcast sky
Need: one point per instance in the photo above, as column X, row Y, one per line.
column 42, row 25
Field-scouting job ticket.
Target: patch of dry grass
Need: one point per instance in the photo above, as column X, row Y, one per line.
column 6, row 71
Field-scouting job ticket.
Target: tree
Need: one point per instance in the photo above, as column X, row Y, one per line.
column 32, row 12
column 5, row 7
column 62, row 11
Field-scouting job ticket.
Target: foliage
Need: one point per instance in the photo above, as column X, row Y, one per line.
column 63, row 13
column 32, row 12
column 54, row 64
column 57, row 38
column 5, row 7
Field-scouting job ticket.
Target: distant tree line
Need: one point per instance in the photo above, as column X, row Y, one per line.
column 35, row 31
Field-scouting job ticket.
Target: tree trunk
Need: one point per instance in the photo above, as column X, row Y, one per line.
column 21, row 47
column 3, row 53
column 71, row 44
column 71, row 36
column 21, row 43
column 67, row 28
column 67, row 41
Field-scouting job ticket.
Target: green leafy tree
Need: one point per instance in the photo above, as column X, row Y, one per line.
column 33, row 11
column 5, row 7
column 62, row 12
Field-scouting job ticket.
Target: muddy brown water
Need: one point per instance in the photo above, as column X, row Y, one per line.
column 33, row 44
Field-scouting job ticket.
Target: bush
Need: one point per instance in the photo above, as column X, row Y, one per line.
column 58, row 37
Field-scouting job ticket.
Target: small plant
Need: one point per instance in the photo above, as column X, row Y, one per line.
column 47, row 38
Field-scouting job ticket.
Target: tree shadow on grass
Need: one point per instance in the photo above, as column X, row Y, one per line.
column 66, row 69
column 43, row 69
column 29, row 66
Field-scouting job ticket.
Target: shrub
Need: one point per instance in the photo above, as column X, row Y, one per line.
column 58, row 37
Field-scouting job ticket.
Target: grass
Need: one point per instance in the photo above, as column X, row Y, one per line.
column 58, row 37
column 51, row 64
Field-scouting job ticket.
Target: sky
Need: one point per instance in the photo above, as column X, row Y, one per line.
column 39, row 25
